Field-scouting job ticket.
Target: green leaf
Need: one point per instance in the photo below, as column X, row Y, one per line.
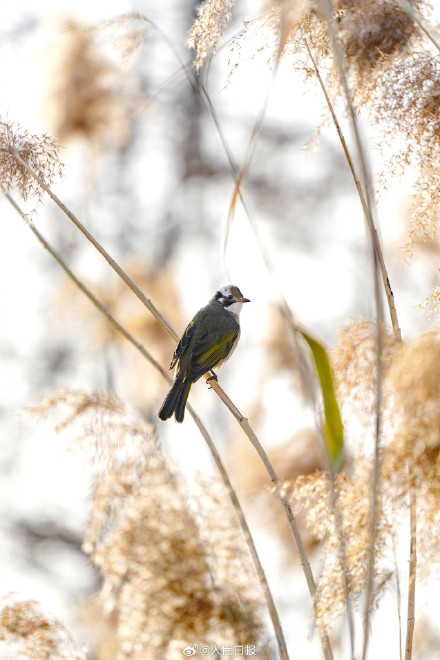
column 333, row 427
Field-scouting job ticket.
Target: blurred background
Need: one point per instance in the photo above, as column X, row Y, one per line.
column 145, row 170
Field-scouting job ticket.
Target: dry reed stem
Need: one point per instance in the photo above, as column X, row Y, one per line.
column 277, row 485
column 112, row 263
column 366, row 210
column 378, row 263
column 216, row 456
column 243, row 422
column 240, row 173
column 398, row 599
column 375, row 490
column 343, row 559
column 364, row 206
column 390, row 302
column 235, row 172
column 412, row 570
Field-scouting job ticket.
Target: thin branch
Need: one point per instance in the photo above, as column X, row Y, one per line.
column 216, row 456
column 412, row 568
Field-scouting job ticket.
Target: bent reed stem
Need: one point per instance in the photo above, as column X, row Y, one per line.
column 243, row 422
column 215, row 454
column 111, row 262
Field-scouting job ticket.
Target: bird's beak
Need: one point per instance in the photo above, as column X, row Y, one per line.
column 244, row 300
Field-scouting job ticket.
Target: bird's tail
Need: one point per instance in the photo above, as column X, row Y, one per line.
column 175, row 400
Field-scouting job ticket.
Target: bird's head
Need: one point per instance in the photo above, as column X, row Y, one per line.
column 231, row 298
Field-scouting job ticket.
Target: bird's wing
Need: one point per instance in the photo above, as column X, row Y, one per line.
column 211, row 348
column 188, row 335
column 183, row 344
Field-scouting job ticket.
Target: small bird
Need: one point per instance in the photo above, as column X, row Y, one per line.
column 208, row 341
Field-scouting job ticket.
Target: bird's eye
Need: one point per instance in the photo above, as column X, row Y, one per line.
column 230, row 296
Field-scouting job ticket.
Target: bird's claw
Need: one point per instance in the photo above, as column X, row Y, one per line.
column 213, row 377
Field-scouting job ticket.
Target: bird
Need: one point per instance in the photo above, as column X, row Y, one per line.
column 208, row 341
